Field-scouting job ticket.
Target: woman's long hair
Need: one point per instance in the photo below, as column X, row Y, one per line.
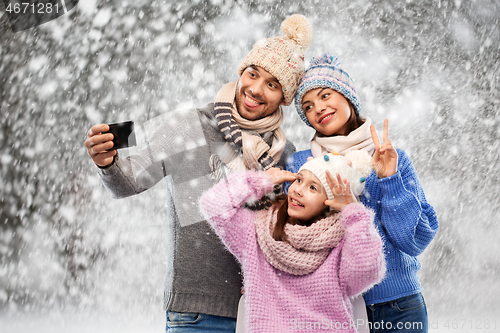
column 283, row 218
column 354, row 121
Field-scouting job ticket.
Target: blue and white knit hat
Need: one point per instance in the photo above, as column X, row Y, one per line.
column 325, row 72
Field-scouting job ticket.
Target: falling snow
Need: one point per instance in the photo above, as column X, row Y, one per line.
column 74, row 259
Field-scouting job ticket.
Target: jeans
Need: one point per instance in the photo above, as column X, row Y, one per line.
column 406, row 314
column 184, row 322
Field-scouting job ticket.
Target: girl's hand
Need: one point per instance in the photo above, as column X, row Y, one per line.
column 279, row 176
column 385, row 157
column 341, row 190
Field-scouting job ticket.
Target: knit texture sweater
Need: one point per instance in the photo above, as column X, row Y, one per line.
column 280, row 302
column 404, row 219
column 201, row 275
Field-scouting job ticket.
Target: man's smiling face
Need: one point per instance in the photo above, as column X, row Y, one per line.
column 258, row 93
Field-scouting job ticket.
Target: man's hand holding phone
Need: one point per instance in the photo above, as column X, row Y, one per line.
column 100, row 145
column 103, row 140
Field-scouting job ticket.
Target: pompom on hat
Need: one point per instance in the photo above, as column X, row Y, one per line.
column 283, row 56
column 326, row 72
column 355, row 166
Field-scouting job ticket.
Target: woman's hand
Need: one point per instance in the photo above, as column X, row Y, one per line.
column 341, row 190
column 385, row 157
column 280, row 176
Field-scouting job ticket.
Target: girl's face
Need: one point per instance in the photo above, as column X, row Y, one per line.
column 327, row 110
column 306, row 196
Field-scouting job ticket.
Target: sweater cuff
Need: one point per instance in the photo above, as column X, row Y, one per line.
column 109, row 169
column 392, row 185
column 261, row 181
column 353, row 209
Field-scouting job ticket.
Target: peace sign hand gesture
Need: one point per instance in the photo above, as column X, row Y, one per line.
column 385, row 157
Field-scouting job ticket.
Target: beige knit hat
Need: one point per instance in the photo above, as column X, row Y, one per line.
column 283, row 56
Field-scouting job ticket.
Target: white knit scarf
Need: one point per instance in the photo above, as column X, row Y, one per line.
column 246, row 147
column 306, row 248
column 359, row 139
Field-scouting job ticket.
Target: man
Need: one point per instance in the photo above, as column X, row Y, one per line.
column 194, row 149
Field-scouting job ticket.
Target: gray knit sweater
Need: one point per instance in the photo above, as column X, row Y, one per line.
column 202, row 276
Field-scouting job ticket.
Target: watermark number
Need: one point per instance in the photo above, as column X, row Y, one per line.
column 39, row 8
column 26, row 14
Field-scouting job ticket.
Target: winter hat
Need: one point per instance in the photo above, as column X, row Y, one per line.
column 325, row 72
column 355, row 166
column 283, row 57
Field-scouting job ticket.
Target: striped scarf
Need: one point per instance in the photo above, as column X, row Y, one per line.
column 251, row 144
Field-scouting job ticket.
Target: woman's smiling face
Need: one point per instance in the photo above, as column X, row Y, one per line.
column 327, row 110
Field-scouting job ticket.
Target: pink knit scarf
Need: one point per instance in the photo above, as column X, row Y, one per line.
column 306, row 248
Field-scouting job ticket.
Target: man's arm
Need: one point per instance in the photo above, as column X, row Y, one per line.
column 177, row 147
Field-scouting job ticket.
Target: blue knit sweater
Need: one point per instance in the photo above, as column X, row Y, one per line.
column 406, row 222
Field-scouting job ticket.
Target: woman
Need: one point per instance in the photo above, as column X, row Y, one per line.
column 327, row 101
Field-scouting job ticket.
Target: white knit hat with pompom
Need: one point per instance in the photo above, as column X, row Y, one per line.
column 355, row 166
column 283, row 56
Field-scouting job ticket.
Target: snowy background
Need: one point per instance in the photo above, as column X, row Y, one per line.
column 72, row 259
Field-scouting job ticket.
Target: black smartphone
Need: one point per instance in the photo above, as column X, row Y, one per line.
column 124, row 135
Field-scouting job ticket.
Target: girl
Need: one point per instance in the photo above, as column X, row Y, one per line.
column 309, row 252
column 327, row 101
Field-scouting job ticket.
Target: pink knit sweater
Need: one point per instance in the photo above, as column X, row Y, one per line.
column 280, row 302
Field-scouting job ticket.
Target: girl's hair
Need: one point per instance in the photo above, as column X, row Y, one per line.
column 283, row 218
